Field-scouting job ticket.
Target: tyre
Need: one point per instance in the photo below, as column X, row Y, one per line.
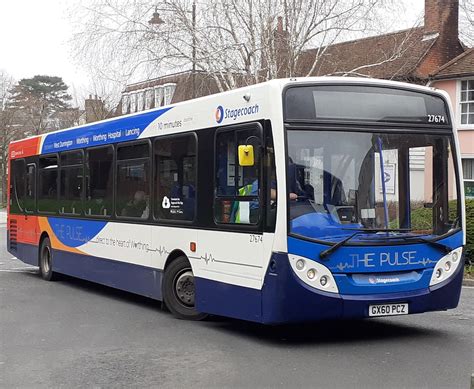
column 178, row 290
column 46, row 261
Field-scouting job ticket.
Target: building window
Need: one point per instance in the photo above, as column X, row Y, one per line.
column 468, row 174
column 467, row 102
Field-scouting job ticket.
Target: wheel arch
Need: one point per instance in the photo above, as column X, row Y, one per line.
column 176, row 253
column 43, row 236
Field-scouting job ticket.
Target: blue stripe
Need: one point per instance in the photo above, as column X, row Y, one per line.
column 118, row 130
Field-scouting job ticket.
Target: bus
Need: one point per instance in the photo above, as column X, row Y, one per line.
column 293, row 200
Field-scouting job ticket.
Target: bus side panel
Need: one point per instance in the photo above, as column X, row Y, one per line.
column 142, row 280
column 224, row 299
column 23, row 236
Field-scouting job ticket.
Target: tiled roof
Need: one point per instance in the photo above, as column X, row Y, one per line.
column 390, row 56
column 462, row 65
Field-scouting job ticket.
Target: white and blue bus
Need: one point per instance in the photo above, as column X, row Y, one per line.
column 287, row 201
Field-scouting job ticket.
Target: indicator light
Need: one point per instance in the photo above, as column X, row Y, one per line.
column 300, row 264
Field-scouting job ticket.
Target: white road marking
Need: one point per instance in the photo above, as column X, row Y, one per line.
column 24, row 270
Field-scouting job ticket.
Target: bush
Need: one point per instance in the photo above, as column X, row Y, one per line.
column 422, row 217
column 470, row 230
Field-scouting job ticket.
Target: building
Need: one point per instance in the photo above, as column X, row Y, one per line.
column 457, row 78
column 430, row 54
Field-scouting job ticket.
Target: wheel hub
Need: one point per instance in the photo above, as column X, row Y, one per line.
column 184, row 288
column 46, row 259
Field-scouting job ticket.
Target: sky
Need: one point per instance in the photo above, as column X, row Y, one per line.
column 34, row 37
column 34, row 40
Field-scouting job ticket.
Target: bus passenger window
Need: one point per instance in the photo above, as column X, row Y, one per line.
column 71, row 183
column 48, row 184
column 237, row 187
column 175, row 181
column 17, row 186
column 133, row 181
column 30, row 190
column 99, row 174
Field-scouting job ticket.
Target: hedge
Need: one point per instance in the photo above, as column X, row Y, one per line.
column 421, row 218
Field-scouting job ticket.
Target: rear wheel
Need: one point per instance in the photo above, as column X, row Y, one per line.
column 46, row 261
column 178, row 290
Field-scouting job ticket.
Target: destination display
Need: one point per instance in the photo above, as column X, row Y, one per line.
column 355, row 103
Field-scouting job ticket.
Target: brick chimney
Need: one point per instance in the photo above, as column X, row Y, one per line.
column 441, row 23
column 441, row 16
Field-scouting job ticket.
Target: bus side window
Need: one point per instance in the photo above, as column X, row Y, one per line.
column 48, row 184
column 30, row 190
column 133, row 181
column 237, row 189
column 71, row 182
column 99, row 181
column 17, row 186
column 175, row 181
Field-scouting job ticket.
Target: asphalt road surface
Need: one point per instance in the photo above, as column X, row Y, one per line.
column 73, row 333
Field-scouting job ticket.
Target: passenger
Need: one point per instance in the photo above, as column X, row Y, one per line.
column 137, row 207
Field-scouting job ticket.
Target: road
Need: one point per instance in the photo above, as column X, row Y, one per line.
column 76, row 334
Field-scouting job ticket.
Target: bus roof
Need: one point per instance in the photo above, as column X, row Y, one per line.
column 234, row 106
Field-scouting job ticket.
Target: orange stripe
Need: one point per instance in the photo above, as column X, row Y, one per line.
column 55, row 242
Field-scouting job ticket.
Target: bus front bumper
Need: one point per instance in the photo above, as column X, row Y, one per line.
column 286, row 299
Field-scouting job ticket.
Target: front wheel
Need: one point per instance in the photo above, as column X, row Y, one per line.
column 46, row 261
column 179, row 292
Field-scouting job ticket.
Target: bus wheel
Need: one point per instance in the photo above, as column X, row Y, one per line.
column 46, row 261
column 178, row 290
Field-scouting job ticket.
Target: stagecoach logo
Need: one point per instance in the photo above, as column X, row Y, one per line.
column 235, row 113
column 383, row 280
column 219, row 114
column 15, row 153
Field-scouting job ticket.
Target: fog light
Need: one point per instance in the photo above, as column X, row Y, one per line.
column 311, row 274
column 455, row 256
column 447, row 266
column 439, row 273
column 323, row 280
column 300, row 264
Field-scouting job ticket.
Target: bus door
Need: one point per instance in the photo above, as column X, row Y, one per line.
column 233, row 251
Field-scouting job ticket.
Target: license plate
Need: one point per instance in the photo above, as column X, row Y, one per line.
column 388, row 309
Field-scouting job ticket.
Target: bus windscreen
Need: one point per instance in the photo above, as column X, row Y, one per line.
column 354, row 103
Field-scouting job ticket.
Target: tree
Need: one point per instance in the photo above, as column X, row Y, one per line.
column 40, row 104
column 466, row 22
column 234, row 41
column 6, row 135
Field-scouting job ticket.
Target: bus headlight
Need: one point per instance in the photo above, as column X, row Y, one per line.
column 446, row 266
column 318, row 276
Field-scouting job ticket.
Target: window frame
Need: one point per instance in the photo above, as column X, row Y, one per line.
column 470, row 158
column 256, row 227
column 35, row 177
column 13, row 191
column 117, row 162
column 67, row 167
column 466, row 126
column 112, row 146
column 39, row 170
column 155, row 173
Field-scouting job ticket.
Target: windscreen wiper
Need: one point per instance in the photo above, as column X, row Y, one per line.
column 444, row 248
column 440, row 246
column 323, row 254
